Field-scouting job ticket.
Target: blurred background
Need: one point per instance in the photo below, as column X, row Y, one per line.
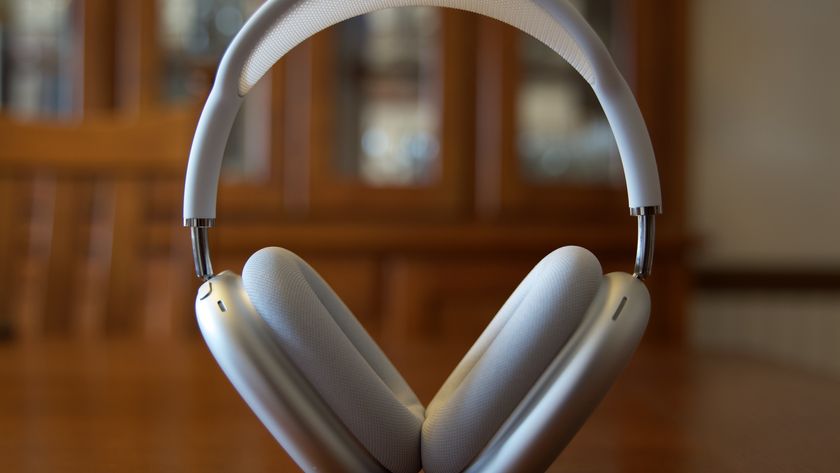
column 423, row 160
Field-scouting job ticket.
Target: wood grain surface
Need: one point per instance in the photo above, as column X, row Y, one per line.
column 130, row 406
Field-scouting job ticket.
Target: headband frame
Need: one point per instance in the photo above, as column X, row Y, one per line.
column 278, row 25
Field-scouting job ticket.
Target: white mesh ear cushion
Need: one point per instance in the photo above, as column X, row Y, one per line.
column 335, row 354
column 508, row 358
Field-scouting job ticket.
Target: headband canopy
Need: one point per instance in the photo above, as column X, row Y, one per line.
column 280, row 25
column 308, row 17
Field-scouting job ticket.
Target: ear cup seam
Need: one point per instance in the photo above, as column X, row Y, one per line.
column 321, row 337
column 306, row 277
column 549, row 305
column 478, row 358
column 310, row 282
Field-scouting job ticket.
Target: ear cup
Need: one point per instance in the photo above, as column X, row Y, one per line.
column 337, row 356
column 355, row 378
column 507, row 359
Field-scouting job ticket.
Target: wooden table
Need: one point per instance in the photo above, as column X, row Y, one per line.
column 132, row 406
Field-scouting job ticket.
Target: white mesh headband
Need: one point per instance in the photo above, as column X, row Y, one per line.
column 280, row 25
column 307, row 17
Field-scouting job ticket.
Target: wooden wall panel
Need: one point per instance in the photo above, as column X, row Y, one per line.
column 437, row 298
column 71, row 204
column 138, row 69
column 13, row 215
column 96, row 27
column 125, row 293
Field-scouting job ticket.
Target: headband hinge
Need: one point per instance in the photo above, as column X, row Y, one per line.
column 200, row 245
column 644, row 243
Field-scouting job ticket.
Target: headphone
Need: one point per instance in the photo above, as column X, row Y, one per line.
column 319, row 382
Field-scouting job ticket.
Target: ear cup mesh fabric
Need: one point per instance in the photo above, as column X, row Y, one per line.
column 308, row 17
column 335, row 354
column 508, row 358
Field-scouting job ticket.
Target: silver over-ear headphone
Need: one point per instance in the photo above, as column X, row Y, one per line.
column 317, row 380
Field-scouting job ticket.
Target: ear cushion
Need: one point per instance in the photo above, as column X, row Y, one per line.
column 508, row 358
column 335, row 354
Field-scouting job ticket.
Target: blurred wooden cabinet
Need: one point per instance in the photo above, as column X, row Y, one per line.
column 410, row 155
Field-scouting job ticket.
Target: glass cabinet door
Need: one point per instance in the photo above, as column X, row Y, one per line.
column 389, row 130
column 193, row 35
column 387, row 127
column 543, row 143
column 562, row 135
column 38, row 42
